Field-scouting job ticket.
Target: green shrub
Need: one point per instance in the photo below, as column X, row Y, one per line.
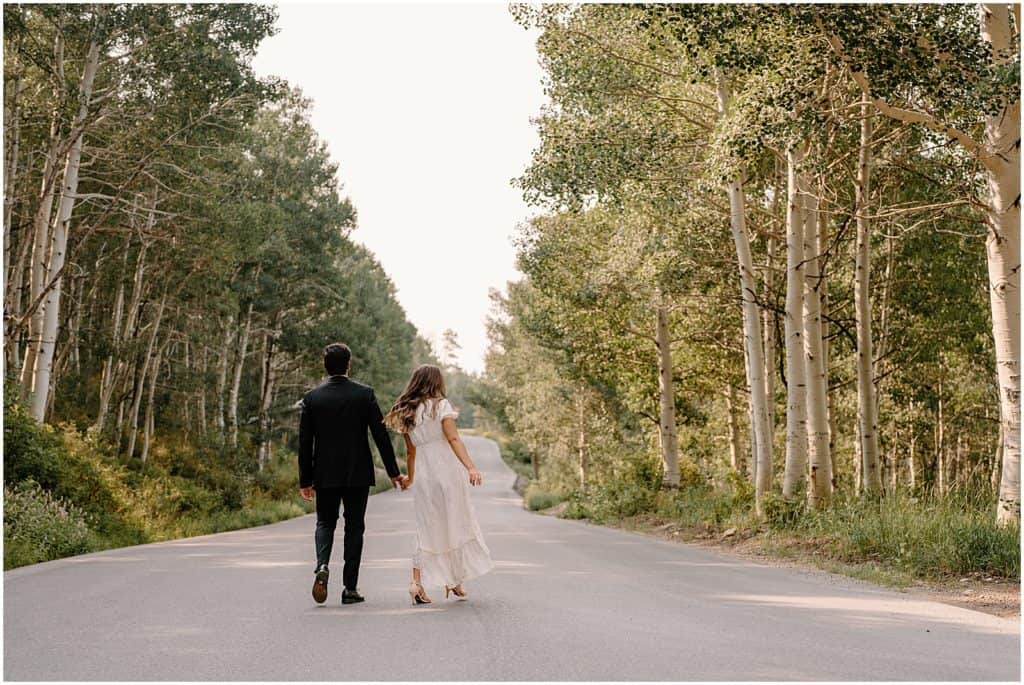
column 31, row 451
column 619, row 499
column 576, row 508
column 67, row 494
column 538, row 497
column 40, row 527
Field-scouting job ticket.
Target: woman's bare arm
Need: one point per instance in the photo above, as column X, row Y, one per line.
column 410, row 461
column 451, row 433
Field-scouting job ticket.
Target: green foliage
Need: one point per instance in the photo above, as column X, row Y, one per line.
column 537, row 497
column 64, row 494
column 929, row 536
column 654, row 109
column 40, row 527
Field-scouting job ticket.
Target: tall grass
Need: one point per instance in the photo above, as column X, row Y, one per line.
column 928, row 536
column 925, row 537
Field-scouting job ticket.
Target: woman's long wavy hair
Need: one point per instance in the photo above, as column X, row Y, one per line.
column 426, row 383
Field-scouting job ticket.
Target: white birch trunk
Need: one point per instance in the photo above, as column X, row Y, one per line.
column 825, row 345
column 769, row 337
column 819, row 456
column 796, row 387
column 202, row 393
column 37, row 262
column 48, row 341
column 732, row 425
column 222, row 375
column 761, row 457
column 266, row 400
column 236, row 381
column 666, row 400
column 940, row 446
column 867, row 407
column 143, row 375
column 1002, row 137
column 581, row 439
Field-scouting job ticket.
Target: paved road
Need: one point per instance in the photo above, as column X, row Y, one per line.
column 567, row 601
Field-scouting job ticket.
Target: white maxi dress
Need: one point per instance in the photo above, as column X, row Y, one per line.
column 450, row 548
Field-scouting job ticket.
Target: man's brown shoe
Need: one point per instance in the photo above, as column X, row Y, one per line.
column 320, row 585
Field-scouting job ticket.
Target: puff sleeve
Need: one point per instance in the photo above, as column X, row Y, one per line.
column 445, row 410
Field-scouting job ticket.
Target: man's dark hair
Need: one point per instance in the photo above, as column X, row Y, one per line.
column 336, row 358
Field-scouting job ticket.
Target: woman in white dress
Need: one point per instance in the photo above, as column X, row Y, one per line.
column 450, row 548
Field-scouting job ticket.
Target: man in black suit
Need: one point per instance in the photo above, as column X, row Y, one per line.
column 335, row 461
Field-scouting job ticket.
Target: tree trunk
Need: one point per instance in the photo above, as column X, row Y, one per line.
column 41, row 240
column 768, row 340
column 735, row 458
column 266, row 400
column 796, row 395
column 997, row 462
column 12, row 143
column 48, row 340
column 150, row 420
column 222, row 375
column 819, row 455
column 940, row 447
column 1002, row 137
column 894, row 464
column 666, row 400
column 236, row 382
column 867, row 407
column 858, row 462
column 107, row 377
column 911, row 457
column 761, row 457
column 826, row 348
column 202, row 393
column 15, row 295
column 143, row 374
column 581, row 441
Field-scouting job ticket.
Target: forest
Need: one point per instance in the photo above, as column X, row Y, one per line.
column 176, row 253
column 775, row 276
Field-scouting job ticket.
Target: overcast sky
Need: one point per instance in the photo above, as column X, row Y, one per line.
column 425, row 108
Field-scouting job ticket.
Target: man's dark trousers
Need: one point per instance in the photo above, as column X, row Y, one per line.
column 328, row 501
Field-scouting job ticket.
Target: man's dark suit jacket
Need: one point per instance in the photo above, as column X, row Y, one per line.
column 333, row 448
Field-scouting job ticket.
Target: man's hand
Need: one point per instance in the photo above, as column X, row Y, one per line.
column 397, row 481
column 307, row 493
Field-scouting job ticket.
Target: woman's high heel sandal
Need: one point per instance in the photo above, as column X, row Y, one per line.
column 457, row 591
column 418, row 595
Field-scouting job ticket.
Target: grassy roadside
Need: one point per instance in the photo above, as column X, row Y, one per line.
column 900, row 540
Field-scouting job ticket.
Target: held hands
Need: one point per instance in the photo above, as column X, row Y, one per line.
column 406, row 482
column 475, row 478
column 306, row 493
column 397, row 481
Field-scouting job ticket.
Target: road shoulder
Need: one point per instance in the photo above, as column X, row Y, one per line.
column 993, row 596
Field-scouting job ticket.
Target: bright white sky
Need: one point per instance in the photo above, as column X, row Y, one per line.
column 425, row 108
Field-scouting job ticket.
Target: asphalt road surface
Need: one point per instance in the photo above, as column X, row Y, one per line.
column 567, row 601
